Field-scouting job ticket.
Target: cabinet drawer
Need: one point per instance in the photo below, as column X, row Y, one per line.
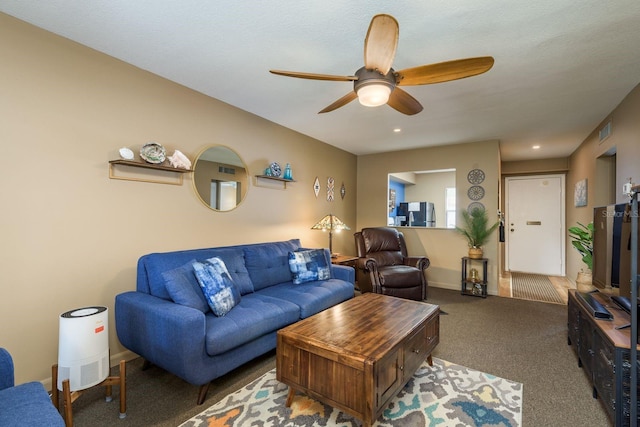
column 416, row 349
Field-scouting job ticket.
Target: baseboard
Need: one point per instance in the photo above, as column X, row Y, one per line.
column 455, row 287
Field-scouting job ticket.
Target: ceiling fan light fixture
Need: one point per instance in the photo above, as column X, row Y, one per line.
column 373, row 95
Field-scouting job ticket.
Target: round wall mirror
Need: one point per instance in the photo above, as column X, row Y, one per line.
column 220, row 178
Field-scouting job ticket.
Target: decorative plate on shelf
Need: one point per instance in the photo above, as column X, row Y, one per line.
column 476, row 176
column 476, row 192
column 475, row 205
column 126, row 153
column 153, row 153
column 276, row 170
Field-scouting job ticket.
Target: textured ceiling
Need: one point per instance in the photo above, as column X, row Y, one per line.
column 560, row 65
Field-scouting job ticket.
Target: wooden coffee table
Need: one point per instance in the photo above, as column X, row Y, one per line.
column 356, row 356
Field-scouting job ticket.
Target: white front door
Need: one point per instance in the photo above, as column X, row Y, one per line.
column 534, row 226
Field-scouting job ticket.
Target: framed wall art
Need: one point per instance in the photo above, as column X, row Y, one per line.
column 580, row 193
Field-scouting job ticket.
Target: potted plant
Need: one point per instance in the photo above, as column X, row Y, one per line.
column 582, row 240
column 476, row 230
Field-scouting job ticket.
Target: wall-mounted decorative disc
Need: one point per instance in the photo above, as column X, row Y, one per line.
column 476, row 192
column 316, row 186
column 476, row 176
column 475, row 205
column 343, row 191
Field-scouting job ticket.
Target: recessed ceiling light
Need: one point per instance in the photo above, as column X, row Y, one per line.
column 536, row 147
column 397, row 130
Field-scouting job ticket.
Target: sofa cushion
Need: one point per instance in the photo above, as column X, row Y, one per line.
column 183, row 287
column 255, row 316
column 28, row 404
column 268, row 263
column 312, row 297
column 308, row 266
column 217, row 285
column 234, row 261
column 151, row 267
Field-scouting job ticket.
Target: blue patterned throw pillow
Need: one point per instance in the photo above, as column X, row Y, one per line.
column 217, row 285
column 308, row 266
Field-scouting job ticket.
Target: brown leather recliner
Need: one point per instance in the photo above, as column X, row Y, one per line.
column 385, row 268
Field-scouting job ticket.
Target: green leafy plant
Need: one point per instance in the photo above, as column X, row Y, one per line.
column 475, row 227
column 582, row 236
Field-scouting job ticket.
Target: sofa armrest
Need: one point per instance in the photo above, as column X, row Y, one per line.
column 166, row 334
column 343, row 272
column 6, row 370
column 421, row 262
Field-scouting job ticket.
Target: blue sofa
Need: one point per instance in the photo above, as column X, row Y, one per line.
column 26, row 404
column 167, row 320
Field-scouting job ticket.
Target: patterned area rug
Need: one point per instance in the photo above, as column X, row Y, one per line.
column 534, row 287
column 443, row 395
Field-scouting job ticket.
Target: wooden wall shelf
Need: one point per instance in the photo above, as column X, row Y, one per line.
column 151, row 178
column 273, row 178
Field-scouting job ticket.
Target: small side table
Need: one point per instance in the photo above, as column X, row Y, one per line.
column 478, row 288
column 344, row 260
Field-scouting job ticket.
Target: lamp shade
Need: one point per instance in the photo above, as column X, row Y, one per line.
column 83, row 348
column 330, row 223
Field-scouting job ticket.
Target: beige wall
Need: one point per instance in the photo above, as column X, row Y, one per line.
column 538, row 166
column 71, row 236
column 590, row 161
column 444, row 247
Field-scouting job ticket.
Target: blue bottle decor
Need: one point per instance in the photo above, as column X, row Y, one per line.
column 287, row 172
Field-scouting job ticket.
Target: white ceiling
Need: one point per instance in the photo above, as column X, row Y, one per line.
column 560, row 65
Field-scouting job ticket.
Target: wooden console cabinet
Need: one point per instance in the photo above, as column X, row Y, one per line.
column 604, row 353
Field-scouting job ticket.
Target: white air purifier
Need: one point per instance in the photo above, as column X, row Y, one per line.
column 83, row 347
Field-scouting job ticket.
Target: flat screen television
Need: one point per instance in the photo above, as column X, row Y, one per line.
column 612, row 247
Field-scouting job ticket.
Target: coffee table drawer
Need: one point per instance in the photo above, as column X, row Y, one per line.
column 420, row 344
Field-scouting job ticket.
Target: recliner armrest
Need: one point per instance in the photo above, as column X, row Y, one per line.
column 367, row 264
column 421, row 263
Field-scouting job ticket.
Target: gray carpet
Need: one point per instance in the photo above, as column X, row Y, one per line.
column 534, row 287
column 520, row 340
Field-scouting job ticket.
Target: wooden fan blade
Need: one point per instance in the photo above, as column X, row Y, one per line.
column 403, row 102
column 381, row 43
column 340, row 102
column 444, row 71
column 313, row 76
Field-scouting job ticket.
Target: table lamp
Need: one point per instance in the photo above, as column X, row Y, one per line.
column 331, row 223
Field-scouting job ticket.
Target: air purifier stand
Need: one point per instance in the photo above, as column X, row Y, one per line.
column 69, row 397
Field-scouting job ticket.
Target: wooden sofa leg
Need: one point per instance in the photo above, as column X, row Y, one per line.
column 202, row 394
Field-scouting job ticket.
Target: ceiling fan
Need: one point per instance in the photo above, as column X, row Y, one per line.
column 377, row 83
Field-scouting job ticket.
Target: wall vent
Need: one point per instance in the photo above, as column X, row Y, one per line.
column 223, row 169
column 605, row 131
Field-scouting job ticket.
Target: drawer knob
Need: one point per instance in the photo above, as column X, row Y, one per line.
column 416, row 351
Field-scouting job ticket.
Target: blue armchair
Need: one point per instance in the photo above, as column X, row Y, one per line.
column 25, row 404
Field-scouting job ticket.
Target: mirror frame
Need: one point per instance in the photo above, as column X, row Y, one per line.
column 228, row 161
